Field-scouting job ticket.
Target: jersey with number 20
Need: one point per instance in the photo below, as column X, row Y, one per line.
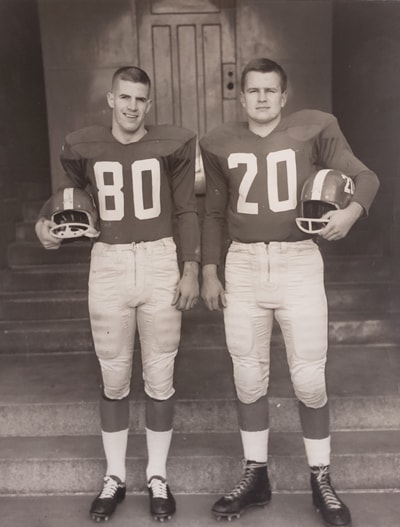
column 255, row 182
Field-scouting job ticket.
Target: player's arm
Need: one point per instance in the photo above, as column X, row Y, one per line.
column 183, row 180
column 187, row 291
column 341, row 221
column 42, row 229
column 72, row 177
column 335, row 152
column 212, row 290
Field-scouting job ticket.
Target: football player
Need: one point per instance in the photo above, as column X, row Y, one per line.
column 140, row 178
column 255, row 172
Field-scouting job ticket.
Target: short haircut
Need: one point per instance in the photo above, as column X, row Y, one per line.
column 132, row 74
column 264, row 65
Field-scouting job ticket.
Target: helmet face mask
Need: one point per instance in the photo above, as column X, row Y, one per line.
column 325, row 191
column 312, row 212
column 74, row 214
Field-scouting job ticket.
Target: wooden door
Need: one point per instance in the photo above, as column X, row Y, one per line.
column 189, row 50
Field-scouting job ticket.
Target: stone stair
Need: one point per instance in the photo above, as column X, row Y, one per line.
column 49, row 379
column 368, row 509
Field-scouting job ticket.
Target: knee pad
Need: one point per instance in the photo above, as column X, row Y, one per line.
column 251, row 384
column 159, row 377
column 250, row 394
column 315, row 399
column 311, row 393
column 310, row 386
column 159, row 392
column 115, row 393
column 116, row 379
column 113, row 397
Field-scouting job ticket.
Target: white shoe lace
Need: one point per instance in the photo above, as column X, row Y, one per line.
column 109, row 489
column 328, row 494
column 158, row 488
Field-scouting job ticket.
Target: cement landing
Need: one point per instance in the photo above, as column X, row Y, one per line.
column 285, row 510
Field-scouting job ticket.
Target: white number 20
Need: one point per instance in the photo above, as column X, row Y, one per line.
column 113, row 190
column 273, row 158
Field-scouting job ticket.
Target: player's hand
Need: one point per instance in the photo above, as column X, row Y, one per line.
column 340, row 222
column 187, row 291
column 213, row 293
column 42, row 229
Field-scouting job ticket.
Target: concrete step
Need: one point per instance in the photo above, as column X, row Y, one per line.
column 25, row 232
column 33, row 305
column 63, row 335
column 369, row 509
column 32, row 207
column 47, row 278
column 10, row 210
column 32, row 253
column 45, row 336
column 7, row 236
column 37, row 399
column 43, row 306
column 198, row 463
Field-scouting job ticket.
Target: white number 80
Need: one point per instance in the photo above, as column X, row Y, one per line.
column 114, row 190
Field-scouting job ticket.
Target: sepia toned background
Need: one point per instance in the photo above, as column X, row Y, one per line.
column 56, row 61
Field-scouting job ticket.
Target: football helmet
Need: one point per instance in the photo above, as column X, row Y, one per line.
column 74, row 213
column 324, row 191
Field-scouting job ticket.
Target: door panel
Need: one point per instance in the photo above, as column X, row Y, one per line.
column 184, row 6
column 189, row 94
column 212, row 76
column 162, row 78
column 188, row 48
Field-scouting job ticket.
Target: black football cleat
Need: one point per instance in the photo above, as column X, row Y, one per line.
column 162, row 502
column 253, row 490
column 333, row 511
column 106, row 501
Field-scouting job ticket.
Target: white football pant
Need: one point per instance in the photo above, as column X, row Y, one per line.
column 132, row 286
column 284, row 280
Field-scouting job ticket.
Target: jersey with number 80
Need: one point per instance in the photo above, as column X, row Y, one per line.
column 137, row 187
column 256, row 181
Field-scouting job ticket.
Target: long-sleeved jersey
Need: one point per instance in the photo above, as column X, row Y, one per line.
column 255, row 182
column 137, row 187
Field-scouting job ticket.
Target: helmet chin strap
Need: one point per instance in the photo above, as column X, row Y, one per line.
column 306, row 224
column 73, row 230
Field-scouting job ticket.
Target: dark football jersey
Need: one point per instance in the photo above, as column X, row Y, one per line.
column 137, row 187
column 255, row 182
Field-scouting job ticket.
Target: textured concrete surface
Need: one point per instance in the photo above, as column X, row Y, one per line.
column 198, row 463
column 285, row 510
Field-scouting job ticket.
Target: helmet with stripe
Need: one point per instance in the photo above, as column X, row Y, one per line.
column 74, row 213
column 326, row 190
